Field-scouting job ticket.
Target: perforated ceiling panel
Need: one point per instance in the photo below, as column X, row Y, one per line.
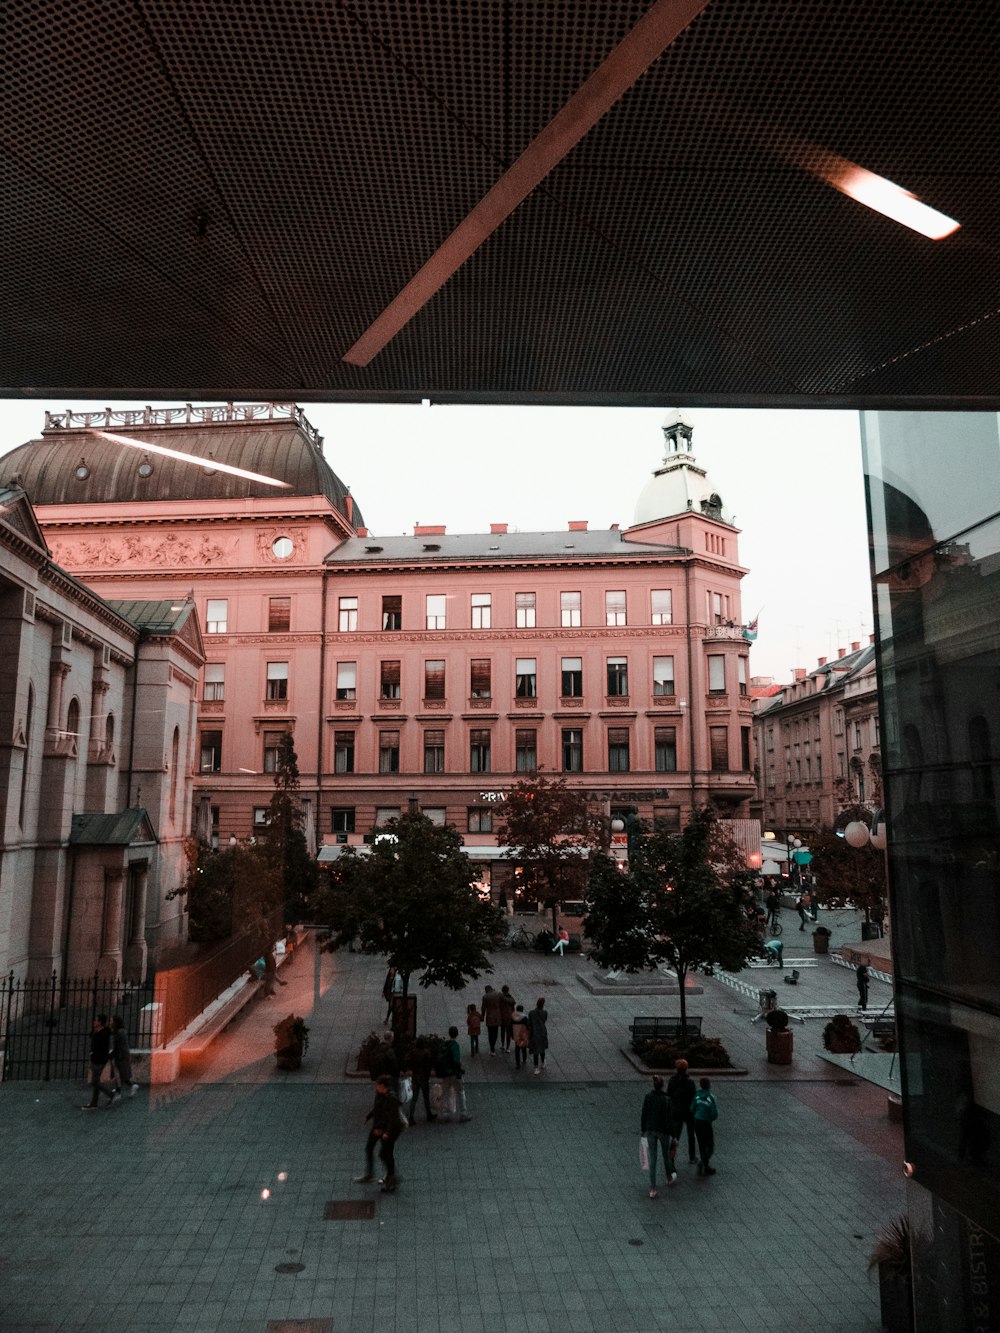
column 218, row 199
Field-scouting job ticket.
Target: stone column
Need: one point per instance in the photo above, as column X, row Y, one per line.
column 109, row 966
column 135, row 949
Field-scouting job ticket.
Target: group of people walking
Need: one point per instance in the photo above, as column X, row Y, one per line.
column 670, row 1113
column 507, row 1023
column 109, row 1048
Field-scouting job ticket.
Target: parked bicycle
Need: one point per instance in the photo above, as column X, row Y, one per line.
column 519, row 937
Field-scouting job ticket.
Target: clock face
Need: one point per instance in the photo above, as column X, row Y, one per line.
column 82, row 472
column 145, row 469
column 281, row 548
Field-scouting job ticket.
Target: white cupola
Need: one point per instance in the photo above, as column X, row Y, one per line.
column 679, row 486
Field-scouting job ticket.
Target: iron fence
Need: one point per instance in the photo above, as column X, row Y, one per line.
column 45, row 1025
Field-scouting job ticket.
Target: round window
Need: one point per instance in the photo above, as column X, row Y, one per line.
column 145, row 469
column 82, row 472
column 281, row 548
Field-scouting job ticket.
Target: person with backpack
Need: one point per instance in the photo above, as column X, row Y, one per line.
column 705, row 1112
column 449, row 1070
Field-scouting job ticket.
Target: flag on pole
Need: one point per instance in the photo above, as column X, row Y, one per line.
column 750, row 630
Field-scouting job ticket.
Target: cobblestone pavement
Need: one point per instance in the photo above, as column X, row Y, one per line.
column 533, row 1217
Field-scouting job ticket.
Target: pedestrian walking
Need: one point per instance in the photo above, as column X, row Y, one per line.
column 521, row 1037
column 473, row 1025
column 391, row 987
column 492, row 1016
column 121, row 1058
column 773, row 904
column 506, row 1018
column 657, row 1128
column 705, row 1112
column 449, row 1070
column 877, row 915
column 271, row 977
column 681, row 1091
column 386, row 1129
column 418, row 1064
column 100, row 1054
column 804, row 906
column 538, row 1036
column 861, row 977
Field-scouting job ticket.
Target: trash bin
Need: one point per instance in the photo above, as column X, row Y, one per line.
column 869, row 930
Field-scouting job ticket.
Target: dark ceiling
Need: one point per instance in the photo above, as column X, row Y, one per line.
column 218, row 199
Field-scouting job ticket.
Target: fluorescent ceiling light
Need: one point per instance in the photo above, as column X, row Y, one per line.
column 189, row 458
column 892, row 201
column 630, row 59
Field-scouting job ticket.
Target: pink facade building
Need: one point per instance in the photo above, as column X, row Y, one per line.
column 438, row 667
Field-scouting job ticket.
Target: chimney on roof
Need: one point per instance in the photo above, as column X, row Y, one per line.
column 428, row 530
column 362, row 532
column 498, row 528
column 615, row 527
column 841, row 652
column 578, row 525
column 822, row 661
column 800, row 673
column 855, row 647
column 349, row 508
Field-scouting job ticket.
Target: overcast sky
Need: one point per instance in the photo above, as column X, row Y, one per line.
column 792, row 481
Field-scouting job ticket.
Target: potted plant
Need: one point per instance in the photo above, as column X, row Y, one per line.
column 291, row 1038
column 841, row 1036
column 371, row 1044
column 779, row 1038
column 892, row 1259
column 821, row 940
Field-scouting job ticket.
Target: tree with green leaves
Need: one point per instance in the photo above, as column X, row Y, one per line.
column 549, row 830
column 283, row 841
column 683, row 901
column 414, row 900
column 231, row 893
column 847, row 876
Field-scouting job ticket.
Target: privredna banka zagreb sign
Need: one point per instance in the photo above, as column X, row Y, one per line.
column 638, row 794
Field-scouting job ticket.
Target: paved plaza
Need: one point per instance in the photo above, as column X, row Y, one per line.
column 532, row 1218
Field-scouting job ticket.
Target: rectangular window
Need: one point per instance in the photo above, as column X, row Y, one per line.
column 857, row 735
column 342, row 819
column 279, row 615
column 343, row 752
column 480, row 820
column 741, row 668
column 718, row 740
column 525, row 750
column 480, row 678
column 745, row 749
column 618, row 750
column 479, row 750
column 718, row 608
column 385, row 814
column 875, row 732
column 260, row 816
column 277, row 680
column 348, row 615
column 572, row 749
column 617, row 677
column 388, row 752
column 716, row 674
column 389, row 686
column 217, row 615
column 819, row 768
column 526, row 680
column 435, row 813
column 481, row 610
column 662, row 605
column 434, row 679
column 569, row 609
column 272, row 750
column 435, row 616
column 211, row 752
column 663, row 675
column 347, row 680
column 215, row 682
column 838, row 722
column 392, row 612
column 524, row 610
column 572, row 678
column 434, row 751
column 665, row 749
column 614, row 608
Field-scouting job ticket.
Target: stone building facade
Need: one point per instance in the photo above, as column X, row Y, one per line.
column 436, row 667
column 96, row 739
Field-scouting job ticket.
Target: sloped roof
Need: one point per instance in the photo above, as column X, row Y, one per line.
column 165, row 617
column 118, row 829
column 490, row 546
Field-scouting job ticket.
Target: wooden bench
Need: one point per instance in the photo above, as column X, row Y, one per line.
column 664, row 1029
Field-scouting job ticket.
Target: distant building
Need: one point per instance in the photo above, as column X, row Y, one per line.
column 817, row 743
column 96, row 739
column 435, row 666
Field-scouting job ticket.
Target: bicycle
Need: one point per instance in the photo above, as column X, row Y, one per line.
column 774, row 924
column 521, row 938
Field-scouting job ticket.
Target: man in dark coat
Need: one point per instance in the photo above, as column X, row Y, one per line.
column 418, row 1061
column 100, row 1054
column 386, row 1129
column 492, row 1015
column 657, row 1127
column 861, row 976
column 681, row 1090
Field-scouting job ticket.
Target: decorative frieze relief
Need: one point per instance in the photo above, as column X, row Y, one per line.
column 664, row 701
column 617, row 701
column 211, row 706
column 480, row 703
column 717, row 703
column 164, row 550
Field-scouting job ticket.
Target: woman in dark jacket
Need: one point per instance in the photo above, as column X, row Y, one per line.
column 657, row 1126
column 681, row 1090
column 538, row 1037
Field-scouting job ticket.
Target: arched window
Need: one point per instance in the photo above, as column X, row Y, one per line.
column 29, row 717
column 109, row 733
column 174, row 775
column 73, row 717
